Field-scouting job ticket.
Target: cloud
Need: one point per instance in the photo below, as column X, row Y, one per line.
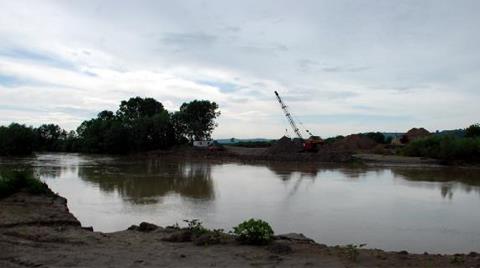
column 341, row 66
column 184, row 40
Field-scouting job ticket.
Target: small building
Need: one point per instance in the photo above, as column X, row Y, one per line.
column 202, row 144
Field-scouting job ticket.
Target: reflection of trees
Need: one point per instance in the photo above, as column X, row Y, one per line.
column 449, row 178
column 150, row 179
column 286, row 170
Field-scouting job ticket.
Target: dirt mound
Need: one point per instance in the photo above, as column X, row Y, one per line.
column 285, row 145
column 416, row 133
column 354, row 142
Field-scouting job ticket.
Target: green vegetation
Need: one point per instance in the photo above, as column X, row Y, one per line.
column 253, row 144
column 195, row 226
column 14, row 181
column 139, row 124
column 16, row 139
column 457, row 259
column 445, row 148
column 472, row 131
column 378, row 137
column 352, row 251
column 195, row 120
column 200, row 235
column 254, row 232
column 331, row 140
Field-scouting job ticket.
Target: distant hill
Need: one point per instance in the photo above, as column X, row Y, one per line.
column 393, row 135
column 459, row 133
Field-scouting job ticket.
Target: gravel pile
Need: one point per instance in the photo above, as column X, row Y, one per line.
column 285, row 145
column 354, row 142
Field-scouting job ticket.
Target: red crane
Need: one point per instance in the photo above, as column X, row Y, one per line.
column 309, row 145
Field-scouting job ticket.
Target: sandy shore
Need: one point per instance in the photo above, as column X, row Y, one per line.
column 256, row 155
column 39, row 231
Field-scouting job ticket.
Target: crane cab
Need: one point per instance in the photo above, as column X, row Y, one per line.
column 312, row 143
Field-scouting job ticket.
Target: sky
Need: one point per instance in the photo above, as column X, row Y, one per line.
column 341, row 66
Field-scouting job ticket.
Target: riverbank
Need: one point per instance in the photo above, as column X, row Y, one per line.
column 39, row 231
column 262, row 155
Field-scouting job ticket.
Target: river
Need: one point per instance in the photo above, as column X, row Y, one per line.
column 414, row 209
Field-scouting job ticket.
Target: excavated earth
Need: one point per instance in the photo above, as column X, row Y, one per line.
column 39, row 231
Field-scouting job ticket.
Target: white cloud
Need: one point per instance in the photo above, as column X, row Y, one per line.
column 342, row 66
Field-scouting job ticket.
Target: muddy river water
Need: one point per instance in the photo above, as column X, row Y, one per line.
column 415, row 209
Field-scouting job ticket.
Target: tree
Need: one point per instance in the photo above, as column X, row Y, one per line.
column 196, row 119
column 106, row 115
column 16, row 139
column 49, row 137
column 136, row 108
column 472, row 131
column 377, row 137
column 139, row 124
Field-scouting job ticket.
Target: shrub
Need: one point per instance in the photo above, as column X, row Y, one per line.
column 254, row 232
column 15, row 181
column 446, row 148
column 473, row 131
column 196, row 227
column 352, row 251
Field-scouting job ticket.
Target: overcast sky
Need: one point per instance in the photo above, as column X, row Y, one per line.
column 342, row 66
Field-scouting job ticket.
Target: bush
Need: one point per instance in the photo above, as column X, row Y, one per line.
column 254, row 232
column 196, row 227
column 352, row 251
column 446, row 148
column 253, row 144
column 472, row 131
column 15, row 181
column 16, row 140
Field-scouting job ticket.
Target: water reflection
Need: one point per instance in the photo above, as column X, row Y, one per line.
column 147, row 181
column 448, row 180
column 415, row 209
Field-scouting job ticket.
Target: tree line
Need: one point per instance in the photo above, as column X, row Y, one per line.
column 448, row 148
column 139, row 124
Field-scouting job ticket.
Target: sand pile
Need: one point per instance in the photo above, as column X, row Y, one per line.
column 354, row 142
column 285, row 145
column 416, row 133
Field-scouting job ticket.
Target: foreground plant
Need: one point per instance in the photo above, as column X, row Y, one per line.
column 254, row 232
column 12, row 182
column 352, row 251
column 195, row 226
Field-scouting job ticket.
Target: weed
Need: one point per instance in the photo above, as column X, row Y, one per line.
column 196, row 227
column 254, row 232
column 352, row 251
column 15, row 181
column 457, row 259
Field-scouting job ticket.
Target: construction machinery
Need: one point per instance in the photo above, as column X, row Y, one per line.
column 310, row 144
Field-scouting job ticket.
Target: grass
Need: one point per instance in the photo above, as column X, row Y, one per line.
column 15, row 181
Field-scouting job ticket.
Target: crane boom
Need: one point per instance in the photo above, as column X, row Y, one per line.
column 289, row 116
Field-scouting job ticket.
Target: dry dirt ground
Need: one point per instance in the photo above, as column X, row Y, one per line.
column 39, row 231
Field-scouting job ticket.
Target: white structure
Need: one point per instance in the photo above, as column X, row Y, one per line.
column 202, row 144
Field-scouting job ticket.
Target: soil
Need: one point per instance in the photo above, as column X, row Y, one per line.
column 416, row 133
column 39, row 231
column 285, row 145
column 354, row 143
